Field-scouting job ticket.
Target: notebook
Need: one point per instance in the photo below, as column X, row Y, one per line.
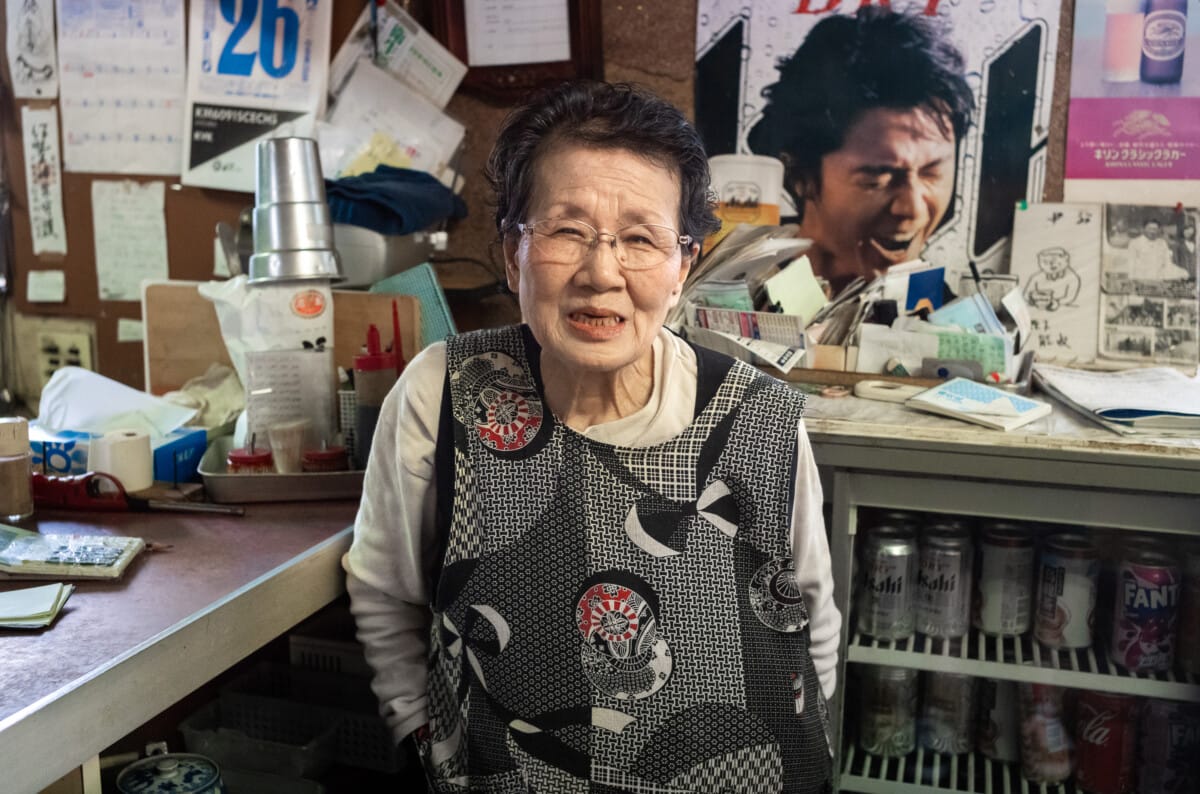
column 976, row 402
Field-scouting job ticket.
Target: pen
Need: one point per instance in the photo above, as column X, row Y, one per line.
column 374, row 31
column 974, row 273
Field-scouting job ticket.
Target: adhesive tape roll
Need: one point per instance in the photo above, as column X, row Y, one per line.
column 125, row 454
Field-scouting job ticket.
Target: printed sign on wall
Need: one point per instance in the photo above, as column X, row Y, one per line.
column 255, row 70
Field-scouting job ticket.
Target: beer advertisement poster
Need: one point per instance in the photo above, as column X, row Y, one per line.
column 1008, row 52
column 1135, row 91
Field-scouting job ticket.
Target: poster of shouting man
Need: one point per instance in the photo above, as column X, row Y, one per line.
column 906, row 130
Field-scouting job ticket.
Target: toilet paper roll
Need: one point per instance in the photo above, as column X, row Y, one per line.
column 125, row 454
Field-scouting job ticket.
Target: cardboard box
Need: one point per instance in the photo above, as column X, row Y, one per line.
column 176, row 455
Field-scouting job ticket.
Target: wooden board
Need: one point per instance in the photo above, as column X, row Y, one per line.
column 183, row 336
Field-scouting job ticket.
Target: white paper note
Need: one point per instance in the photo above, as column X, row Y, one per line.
column 32, row 62
column 130, row 330
column 122, row 68
column 46, row 286
column 131, row 236
column 405, row 49
column 43, row 180
column 517, row 31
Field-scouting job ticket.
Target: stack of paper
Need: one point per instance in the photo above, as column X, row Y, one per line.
column 1152, row 401
column 33, row 607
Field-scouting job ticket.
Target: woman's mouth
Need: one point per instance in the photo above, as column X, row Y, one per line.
column 596, row 324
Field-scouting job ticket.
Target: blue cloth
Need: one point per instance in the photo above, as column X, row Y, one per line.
column 392, row 200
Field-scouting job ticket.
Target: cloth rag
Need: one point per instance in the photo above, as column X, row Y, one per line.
column 392, row 200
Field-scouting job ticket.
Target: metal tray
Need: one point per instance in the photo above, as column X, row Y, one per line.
column 241, row 488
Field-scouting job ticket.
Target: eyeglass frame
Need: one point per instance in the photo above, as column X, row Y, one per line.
column 682, row 240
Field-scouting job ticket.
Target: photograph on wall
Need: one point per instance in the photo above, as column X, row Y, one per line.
column 1135, row 94
column 1148, row 285
column 254, row 72
column 764, row 67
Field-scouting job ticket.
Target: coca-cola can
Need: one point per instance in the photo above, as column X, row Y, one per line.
column 997, row 733
column 885, row 599
column 1046, row 752
column 947, row 712
column 1145, row 611
column 944, row 580
column 1066, row 596
column 1169, row 749
column 887, row 710
column 1004, row 587
column 1187, row 642
column 1106, row 728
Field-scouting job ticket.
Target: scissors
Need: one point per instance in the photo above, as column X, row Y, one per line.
column 95, row 490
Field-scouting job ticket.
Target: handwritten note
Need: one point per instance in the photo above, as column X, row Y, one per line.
column 46, row 286
column 131, row 236
column 1056, row 259
column 43, row 180
column 517, row 31
column 32, row 62
column 130, row 330
column 282, row 385
column 123, row 85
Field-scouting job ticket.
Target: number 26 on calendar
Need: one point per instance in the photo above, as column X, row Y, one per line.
column 278, row 38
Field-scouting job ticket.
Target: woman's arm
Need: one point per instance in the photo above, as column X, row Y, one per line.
column 390, row 561
column 814, row 569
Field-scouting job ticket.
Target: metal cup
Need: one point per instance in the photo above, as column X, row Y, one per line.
column 288, row 170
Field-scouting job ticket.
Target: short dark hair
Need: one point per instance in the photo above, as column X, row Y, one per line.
column 607, row 116
column 847, row 65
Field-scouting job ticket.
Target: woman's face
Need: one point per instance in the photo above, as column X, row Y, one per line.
column 594, row 316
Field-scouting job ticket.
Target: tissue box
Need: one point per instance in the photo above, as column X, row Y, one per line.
column 176, row 455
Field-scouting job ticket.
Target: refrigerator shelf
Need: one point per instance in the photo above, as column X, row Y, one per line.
column 983, row 655
column 923, row 771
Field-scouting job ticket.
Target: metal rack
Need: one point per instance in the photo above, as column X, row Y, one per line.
column 979, row 654
column 923, row 771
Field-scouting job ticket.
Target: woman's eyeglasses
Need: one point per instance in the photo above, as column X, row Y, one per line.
column 643, row 246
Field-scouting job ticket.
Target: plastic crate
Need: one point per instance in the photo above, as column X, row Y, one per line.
column 242, row 781
column 363, row 739
column 328, row 655
column 263, row 735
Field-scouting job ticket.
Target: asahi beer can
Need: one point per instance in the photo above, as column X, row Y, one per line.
column 1106, row 729
column 1170, row 743
column 885, row 599
column 1187, row 636
column 1145, row 611
column 948, row 712
column 888, row 710
column 997, row 733
column 1004, row 587
column 1046, row 752
column 944, row 581
column 1066, row 598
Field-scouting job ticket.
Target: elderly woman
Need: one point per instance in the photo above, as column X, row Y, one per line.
column 589, row 556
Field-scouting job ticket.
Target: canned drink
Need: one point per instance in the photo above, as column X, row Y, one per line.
column 885, row 600
column 1170, row 742
column 1066, row 599
column 1046, row 752
column 997, row 733
column 1145, row 611
column 1187, row 635
column 948, row 712
column 888, row 710
column 1004, row 587
column 945, row 564
column 1105, row 742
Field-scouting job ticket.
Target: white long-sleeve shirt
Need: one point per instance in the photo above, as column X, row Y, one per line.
column 390, row 563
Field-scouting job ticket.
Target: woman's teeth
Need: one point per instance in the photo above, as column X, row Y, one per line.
column 591, row 319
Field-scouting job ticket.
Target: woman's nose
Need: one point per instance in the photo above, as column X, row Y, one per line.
column 600, row 267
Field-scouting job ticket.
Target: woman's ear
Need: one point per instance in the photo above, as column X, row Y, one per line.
column 512, row 270
column 685, row 267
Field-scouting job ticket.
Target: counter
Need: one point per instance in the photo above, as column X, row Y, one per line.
column 119, row 653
